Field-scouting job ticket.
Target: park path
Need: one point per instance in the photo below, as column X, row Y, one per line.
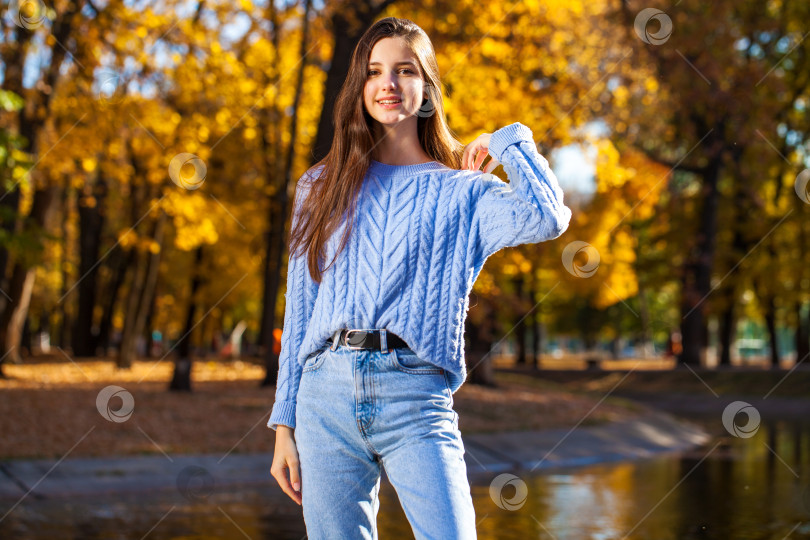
column 487, row 455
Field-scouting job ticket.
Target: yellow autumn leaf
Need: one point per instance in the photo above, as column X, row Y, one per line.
column 89, row 164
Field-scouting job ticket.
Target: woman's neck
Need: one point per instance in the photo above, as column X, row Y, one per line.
column 399, row 145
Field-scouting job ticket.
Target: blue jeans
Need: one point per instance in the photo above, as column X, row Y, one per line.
column 359, row 409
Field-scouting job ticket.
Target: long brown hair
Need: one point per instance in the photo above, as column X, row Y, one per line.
column 334, row 190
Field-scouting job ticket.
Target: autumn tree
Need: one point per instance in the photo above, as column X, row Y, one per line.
column 718, row 91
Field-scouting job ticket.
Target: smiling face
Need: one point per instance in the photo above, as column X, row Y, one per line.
column 393, row 73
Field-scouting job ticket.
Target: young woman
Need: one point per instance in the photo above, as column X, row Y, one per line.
column 373, row 345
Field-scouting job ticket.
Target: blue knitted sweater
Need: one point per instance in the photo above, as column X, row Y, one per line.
column 420, row 238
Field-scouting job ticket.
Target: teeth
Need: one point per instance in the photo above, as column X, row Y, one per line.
column 388, row 102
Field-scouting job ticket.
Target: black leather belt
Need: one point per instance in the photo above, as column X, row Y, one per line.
column 379, row 339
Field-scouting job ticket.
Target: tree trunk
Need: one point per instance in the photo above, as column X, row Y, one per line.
column 272, row 279
column 537, row 324
column 647, row 346
column 20, row 288
column 126, row 351
column 802, row 332
column 520, row 326
column 767, row 291
column 150, row 313
column 727, row 317
column 616, row 345
column 770, row 323
column 119, row 262
column 698, row 272
column 728, row 321
column 139, row 299
column 64, row 314
column 9, row 201
column 276, row 238
column 22, row 283
column 271, row 151
column 478, row 355
column 181, row 380
column 727, row 332
column 153, row 270
column 139, row 196
column 26, row 343
column 91, row 222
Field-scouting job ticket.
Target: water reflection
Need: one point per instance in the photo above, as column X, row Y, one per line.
column 746, row 489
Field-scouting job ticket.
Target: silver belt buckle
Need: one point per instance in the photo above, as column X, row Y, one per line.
column 346, row 339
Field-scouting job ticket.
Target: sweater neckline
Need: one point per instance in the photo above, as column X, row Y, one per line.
column 384, row 169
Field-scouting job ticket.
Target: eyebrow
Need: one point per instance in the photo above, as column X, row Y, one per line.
column 408, row 62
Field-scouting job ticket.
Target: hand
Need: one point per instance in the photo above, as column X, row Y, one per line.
column 475, row 152
column 286, row 457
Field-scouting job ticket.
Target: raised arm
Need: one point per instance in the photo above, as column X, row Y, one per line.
column 300, row 301
column 529, row 209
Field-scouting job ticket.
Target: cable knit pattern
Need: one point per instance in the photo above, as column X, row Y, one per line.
column 420, row 239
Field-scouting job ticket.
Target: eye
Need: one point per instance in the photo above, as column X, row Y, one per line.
column 406, row 70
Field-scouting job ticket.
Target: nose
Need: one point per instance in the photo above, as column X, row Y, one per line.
column 390, row 80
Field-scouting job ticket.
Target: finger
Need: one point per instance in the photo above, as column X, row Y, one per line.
column 295, row 478
column 296, row 496
column 284, row 483
column 290, row 491
column 292, row 494
column 480, row 158
column 470, row 153
column 472, row 158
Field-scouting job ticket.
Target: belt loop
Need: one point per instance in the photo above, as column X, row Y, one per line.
column 383, row 341
column 335, row 339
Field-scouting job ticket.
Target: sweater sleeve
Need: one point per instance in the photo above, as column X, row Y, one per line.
column 529, row 209
column 300, row 301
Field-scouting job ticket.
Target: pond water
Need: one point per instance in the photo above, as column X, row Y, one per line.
column 744, row 489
